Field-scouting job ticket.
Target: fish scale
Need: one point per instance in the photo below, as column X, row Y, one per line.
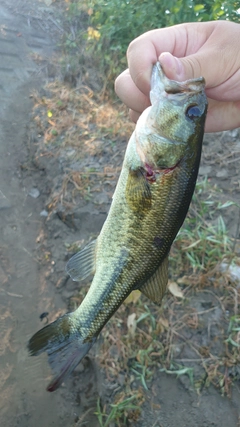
column 149, row 205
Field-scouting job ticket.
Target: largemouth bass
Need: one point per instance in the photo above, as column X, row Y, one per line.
column 149, row 205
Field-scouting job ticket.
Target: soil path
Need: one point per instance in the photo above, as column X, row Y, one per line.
column 23, row 399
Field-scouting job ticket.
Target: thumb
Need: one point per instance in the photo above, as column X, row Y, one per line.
column 180, row 69
column 221, row 71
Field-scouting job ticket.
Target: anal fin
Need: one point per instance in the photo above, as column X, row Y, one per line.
column 155, row 287
column 83, row 263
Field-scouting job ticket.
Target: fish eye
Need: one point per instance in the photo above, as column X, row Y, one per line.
column 193, row 111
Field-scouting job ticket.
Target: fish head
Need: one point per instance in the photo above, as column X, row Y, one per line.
column 174, row 124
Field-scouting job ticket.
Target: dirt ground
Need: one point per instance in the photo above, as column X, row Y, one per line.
column 33, row 250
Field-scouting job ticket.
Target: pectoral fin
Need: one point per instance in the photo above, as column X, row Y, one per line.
column 82, row 264
column 138, row 192
column 155, row 287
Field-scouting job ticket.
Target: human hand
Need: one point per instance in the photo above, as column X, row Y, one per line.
column 208, row 49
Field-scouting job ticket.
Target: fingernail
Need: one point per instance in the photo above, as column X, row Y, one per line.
column 178, row 66
column 171, row 65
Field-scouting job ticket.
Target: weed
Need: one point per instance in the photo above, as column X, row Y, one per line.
column 203, row 241
column 142, row 366
column 179, row 370
column 147, row 314
column 123, row 409
column 234, row 331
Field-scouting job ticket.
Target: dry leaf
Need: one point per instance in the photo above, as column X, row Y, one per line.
column 132, row 324
column 175, row 290
column 133, row 297
column 164, row 322
column 185, row 280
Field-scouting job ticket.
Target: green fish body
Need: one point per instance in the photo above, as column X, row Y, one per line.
column 149, row 205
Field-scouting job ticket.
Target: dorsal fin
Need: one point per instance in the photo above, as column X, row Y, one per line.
column 155, row 287
column 138, row 192
column 83, row 263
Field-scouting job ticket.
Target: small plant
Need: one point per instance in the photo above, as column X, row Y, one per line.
column 179, row 370
column 203, row 241
column 142, row 366
column 119, row 413
column 234, row 332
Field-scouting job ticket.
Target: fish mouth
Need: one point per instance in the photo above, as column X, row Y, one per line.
column 174, row 87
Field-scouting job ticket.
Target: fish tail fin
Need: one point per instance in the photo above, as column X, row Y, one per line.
column 64, row 345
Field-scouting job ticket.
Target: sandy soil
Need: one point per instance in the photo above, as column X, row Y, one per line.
column 33, row 256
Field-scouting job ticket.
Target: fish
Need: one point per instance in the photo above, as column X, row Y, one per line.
column 149, row 205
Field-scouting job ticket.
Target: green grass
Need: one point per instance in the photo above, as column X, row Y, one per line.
column 79, row 117
column 179, row 370
column 201, row 246
column 203, row 240
column 234, row 331
column 118, row 412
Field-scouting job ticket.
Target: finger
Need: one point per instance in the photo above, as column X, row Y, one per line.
column 130, row 94
column 215, row 60
column 223, row 84
column 218, row 85
column 190, row 67
column 179, row 40
column 222, row 116
column 229, row 90
column 134, row 116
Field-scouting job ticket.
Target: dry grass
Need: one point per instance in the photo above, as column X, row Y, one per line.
column 197, row 336
column 78, row 118
column 81, row 127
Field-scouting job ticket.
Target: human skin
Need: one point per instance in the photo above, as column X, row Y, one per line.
column 185, row 51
